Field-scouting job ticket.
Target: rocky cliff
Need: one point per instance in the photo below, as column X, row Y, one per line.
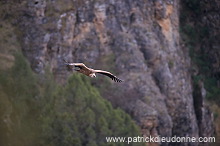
column 139, row 41
column 200, row 34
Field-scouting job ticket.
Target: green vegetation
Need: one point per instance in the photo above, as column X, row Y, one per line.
column 37, row 111
column 18, row 110
column 198, row 37
column 194, row 33
column 193, row 5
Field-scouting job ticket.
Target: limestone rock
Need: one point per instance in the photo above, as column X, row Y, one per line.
column 141, row 40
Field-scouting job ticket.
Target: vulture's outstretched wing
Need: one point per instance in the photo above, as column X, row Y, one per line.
column 79, row 65
column 70, row 66
column 110, row 75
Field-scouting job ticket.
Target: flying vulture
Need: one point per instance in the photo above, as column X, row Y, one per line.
column 80, row 67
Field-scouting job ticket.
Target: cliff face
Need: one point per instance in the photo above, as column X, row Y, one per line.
column 200, row 33
column 137, row 40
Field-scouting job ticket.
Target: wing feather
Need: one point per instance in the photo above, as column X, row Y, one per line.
column 71, row 65
column 79, row 65
column 82, row 66
column 110, row 75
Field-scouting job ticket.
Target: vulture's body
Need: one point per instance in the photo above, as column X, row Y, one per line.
column 80, row 67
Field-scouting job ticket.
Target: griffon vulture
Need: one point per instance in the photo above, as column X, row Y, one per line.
column 80, row 67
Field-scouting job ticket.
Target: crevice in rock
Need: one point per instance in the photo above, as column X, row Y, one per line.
column 202, row 111
column 197, row 101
